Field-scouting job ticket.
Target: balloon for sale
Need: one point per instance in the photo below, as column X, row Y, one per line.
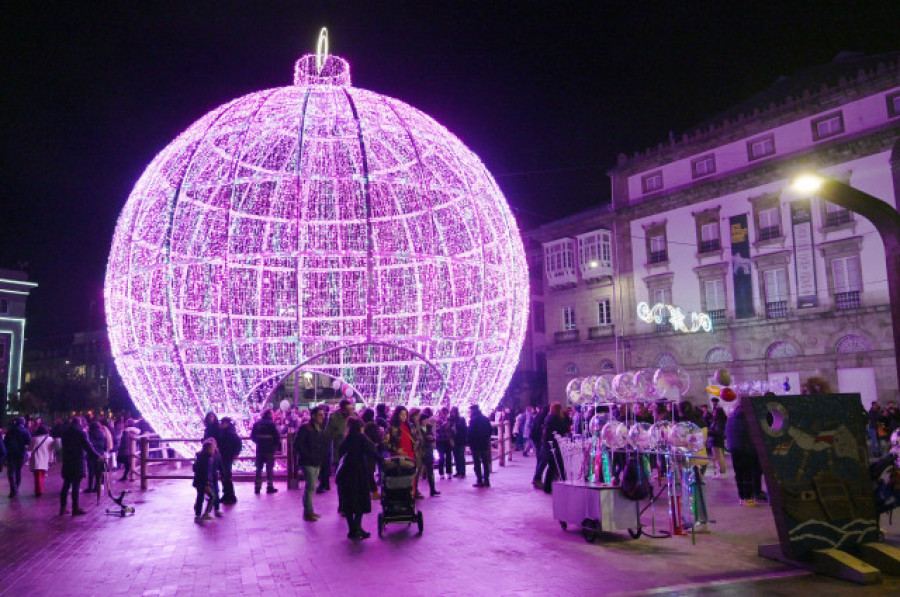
column 713, row 390
column 639, row 436
column 659, row 434
column 573, row 390
column 603, row 391
column 597, row 423
column 686, row 436
column 644, row 388
column 723, row 377
column 728, row 395
column 285, row 405
column 623, row 387
column 671, row 382
column 587, row 388
column 614, row 435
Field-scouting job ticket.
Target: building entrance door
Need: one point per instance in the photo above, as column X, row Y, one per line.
column 859, row 380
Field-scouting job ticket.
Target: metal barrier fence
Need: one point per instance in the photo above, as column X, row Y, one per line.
column 501, row 450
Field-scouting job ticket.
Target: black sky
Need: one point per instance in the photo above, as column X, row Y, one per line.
column 547, row 93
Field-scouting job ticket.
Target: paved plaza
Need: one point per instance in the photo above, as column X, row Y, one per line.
column 498, row 541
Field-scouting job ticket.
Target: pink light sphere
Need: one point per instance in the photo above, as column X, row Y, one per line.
column 315, row 226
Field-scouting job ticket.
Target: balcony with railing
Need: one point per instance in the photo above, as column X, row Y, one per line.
column 837, row 218
column 566, row 337
column 659, row 256
column 717, row 316
column 600, row 331
column 596, row 269
column 777, row 309
column 846, row 300
column 769, row 232
column 563, row 277
column 710, row 246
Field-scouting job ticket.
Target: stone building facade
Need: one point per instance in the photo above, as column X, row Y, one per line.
column 795, row 287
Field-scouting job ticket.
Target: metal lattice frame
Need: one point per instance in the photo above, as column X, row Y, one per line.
column 317, row 225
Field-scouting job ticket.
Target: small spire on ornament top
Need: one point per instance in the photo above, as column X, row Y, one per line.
column 322, row 50
column 322, row 68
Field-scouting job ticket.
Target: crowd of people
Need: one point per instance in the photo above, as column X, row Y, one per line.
column 348, row 447
column 84, row 447
column 882, row 424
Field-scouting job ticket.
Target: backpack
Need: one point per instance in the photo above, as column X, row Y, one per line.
column 636, row 478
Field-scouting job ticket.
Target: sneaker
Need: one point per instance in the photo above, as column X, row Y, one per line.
column 218, row 514
column 435, row 493
column 207, row 516
column 271, row 490
column 78, row 512
column 363, row 534
column 310, row 517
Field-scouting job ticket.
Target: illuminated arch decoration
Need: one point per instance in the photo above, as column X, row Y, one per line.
column 661, row 312
column 318, row 226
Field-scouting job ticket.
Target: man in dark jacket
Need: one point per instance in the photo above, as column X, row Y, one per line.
column 75, row 450
column 16, row 442
column 460, row 435
column 230, row 446
column 480, row 445
column 267, row 439
column 311, row 446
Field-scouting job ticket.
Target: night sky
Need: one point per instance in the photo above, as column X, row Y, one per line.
column 546, row 93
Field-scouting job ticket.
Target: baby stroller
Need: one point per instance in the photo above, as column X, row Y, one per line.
column 398, row 478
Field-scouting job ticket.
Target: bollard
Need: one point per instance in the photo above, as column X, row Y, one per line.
column 145, row 454
column 501, row 440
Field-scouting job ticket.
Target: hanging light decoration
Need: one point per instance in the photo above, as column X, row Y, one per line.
column 315, row 226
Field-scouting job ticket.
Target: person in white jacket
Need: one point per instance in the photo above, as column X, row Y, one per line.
column 42, row 454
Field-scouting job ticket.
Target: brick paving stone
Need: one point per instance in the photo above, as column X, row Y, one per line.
column 500, row 542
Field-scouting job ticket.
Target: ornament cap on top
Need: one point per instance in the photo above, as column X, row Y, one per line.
column 322, row 68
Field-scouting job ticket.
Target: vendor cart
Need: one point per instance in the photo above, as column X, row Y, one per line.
column 596, row 507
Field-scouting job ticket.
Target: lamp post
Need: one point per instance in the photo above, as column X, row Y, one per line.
column 886, row 220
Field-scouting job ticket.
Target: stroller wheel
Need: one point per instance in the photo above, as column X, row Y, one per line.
column 380, row 525
column 420, row 520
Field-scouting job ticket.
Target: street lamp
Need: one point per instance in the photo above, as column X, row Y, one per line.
column 882, row 215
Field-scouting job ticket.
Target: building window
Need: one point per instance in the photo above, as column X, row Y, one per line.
column 835, row 215
column 846, row 276
column 664, row 296
column 703, row 166
column 568, row 318
column 893, row 104
column 658, row 252
column 666, row 359
column 714, row 296
column 781, row 350
column 709, row 237
column 761, row 148
column 776, row 290
column 4, row 306
column 595, row 250
column 719, row 355
column 604, row 315
column 851, row 343
column 769, row 221
column 559, row 256
column 827, row 126
column 652, row 182
column 539, row 324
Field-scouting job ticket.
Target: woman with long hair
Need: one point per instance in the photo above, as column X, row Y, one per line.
column 353, row 476
column 400, row 438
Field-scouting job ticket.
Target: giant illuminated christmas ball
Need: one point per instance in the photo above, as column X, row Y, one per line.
column 317, row 227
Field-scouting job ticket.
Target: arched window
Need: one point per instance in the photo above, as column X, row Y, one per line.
column 781, row 350
column 607, row 366
column 851, row 343
column 719, row 354
column 666, row 359
column 571, row 368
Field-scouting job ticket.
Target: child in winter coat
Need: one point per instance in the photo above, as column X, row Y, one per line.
column 205, row 480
